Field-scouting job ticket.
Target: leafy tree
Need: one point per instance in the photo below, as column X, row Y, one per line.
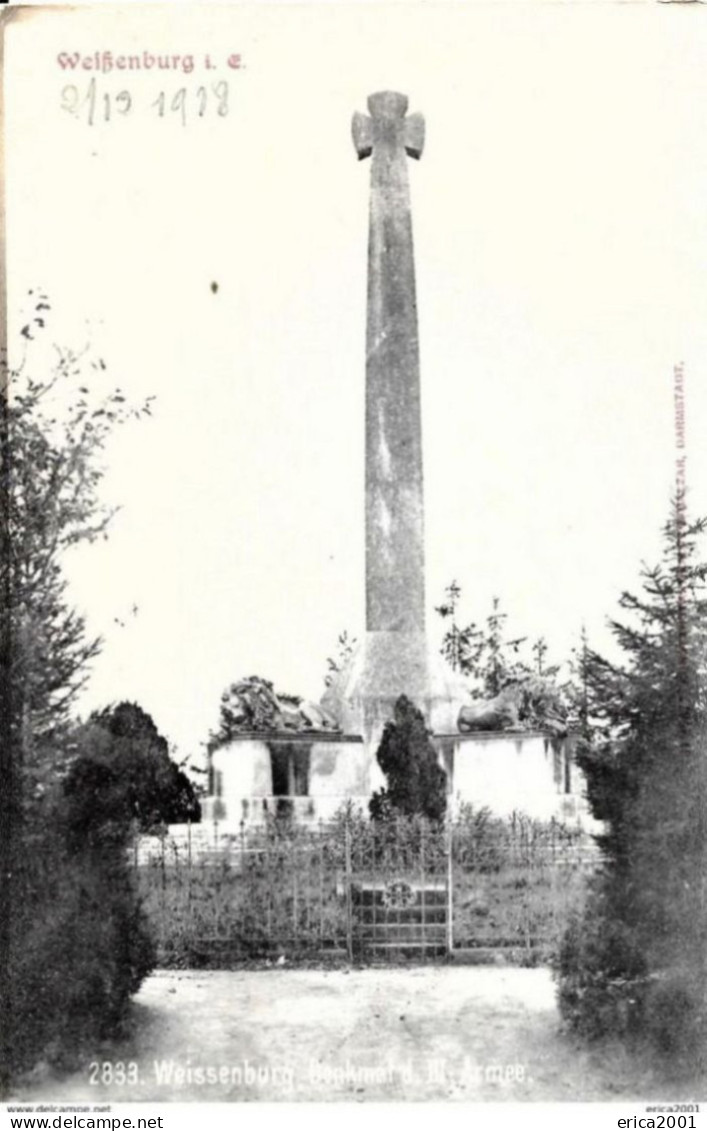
column 416, row 781
column 58, row 428
column 124, row 772
column 78, row 915
column 637, row 960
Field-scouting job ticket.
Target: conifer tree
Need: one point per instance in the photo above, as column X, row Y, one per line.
column 637, row 960
column 416, row 782
column 486, row 655
column 462, row 645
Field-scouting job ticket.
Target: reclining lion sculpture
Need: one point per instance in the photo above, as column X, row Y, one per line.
column 253, row 705
column 528, row 703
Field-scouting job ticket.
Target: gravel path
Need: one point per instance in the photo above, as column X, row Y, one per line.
column 424, row 1033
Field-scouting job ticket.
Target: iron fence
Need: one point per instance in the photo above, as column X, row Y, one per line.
column 363, row 890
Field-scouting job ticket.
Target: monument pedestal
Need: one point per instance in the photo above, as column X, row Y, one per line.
column 384, row 666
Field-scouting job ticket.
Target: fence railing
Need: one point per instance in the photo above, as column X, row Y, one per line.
column 362, row 889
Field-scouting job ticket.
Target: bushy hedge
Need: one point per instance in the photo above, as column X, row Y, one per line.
column 81, row 944
column 602, row 974
column 606, row 988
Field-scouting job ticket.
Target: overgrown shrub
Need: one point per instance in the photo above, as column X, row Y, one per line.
column 81, row 943
column 145, row 784
column 602, row 975
column 674, row 1012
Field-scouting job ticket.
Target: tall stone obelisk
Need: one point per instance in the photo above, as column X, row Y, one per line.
column 395, row 574
column 395, row 659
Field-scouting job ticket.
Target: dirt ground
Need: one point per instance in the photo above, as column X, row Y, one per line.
column 423, row 1033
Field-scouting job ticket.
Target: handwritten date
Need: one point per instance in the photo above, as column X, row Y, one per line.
column 94, row 105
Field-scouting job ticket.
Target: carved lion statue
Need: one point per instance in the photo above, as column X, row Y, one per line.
column 253, row 705
column 528, row 703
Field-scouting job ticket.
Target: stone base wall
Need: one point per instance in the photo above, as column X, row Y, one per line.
column 254, row 778
column 529, row 773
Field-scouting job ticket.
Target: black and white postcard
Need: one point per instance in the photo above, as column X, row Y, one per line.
column 353, row 557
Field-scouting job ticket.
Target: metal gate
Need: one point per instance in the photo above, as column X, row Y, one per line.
column 405, row 889
column 399, row 893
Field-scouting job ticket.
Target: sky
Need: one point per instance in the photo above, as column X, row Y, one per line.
column 560, row 237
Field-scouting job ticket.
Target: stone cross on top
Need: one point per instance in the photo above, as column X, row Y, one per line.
column 388, row 128
column 395, row 576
